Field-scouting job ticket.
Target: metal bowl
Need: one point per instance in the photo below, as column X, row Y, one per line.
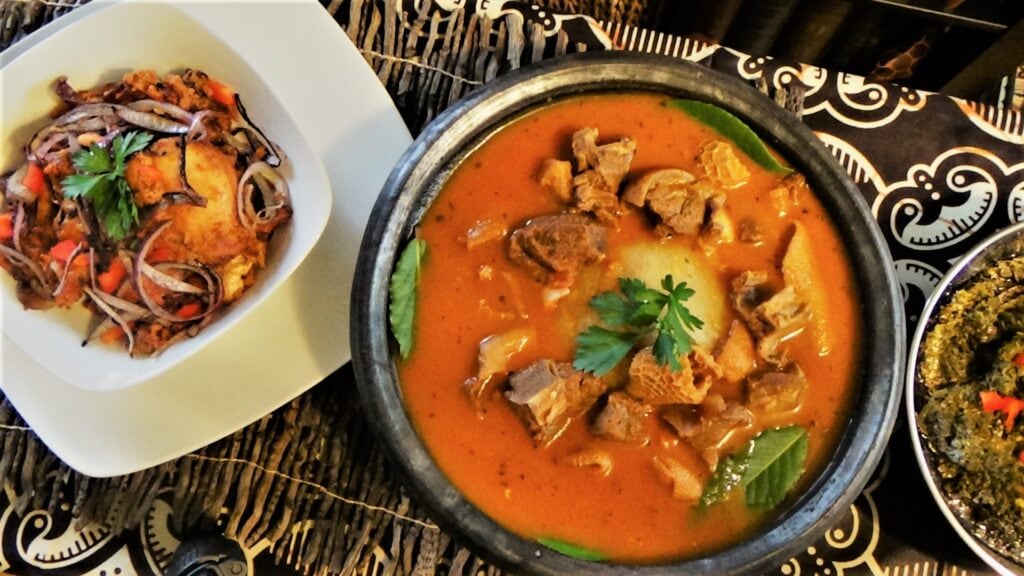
column 1006, row 243
column 418, row 178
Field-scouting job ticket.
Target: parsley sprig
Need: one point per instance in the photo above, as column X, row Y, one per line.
column 100, row 178
column 637, row 311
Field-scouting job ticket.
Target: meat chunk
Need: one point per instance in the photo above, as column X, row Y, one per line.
column 637, row 191
column 493, row 357
column 786, row 197
column 777, row 392
column 707, row 428
column 484, row 232
column 622, row 419
column 736, row 354
column 554, row 248
column 611, row 161
column 655, row 384
column 772, row 318
column 555, row 177
column 548, row 395
column 597, row 458
column 600, row 171
column 686, row 485
column 749, row 289
column 781, row 317
column 722, row 166
column 719, row 228
column 593, row 195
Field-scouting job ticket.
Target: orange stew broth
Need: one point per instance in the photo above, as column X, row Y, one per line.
column 630, row 515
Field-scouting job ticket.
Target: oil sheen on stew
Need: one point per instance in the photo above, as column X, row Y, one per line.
column 553, row 210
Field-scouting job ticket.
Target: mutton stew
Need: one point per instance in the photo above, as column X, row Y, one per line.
column 626, row 329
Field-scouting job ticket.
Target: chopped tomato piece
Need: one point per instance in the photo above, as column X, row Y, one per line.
column 34, row 179
column 992, row 401
column 221, row 93
column 1021, row 457
column 62, row 250
column 190, row 310
column 110, row 280
column 112, row 335
column 1019, row 360
column 6, row 227
column 159, row 254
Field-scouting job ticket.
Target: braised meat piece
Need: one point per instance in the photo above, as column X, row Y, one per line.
column 548, row 395
column 707, row 427
column 656, row 384
column 610, row 160
column 555, row 177
column 782, row 316
column 777, row 392
column 686, row 485
column 493, row 356
column 622, row 419
column 600, row 171
column 772, row 318
column 672, row 196
column 719, row 228
column 750, row 233
column 786, row 197
column 554, row 248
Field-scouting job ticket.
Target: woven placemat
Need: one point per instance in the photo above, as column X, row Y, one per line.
column 307, row 483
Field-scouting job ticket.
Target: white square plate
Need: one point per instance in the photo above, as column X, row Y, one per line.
column 299, row 334
column 161, row 38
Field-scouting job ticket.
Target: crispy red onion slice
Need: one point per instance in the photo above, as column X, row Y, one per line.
column 67, row 268
column 265, row 177
column 164, row 109
column 273, row 156
column 123, row 305
column 120, row 320
column 151, row 121
column 196, row 129
column 40, row 286
column 169, row 282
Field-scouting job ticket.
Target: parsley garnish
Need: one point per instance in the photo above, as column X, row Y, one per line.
column 639, row 310
column 100, row 178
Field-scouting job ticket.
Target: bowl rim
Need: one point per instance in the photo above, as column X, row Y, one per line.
column 417, row 178
column 989, row 250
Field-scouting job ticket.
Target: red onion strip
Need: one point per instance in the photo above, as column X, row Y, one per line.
column 151, row 121
column 67, row 268
column 20, row 259
column 169, row 282
column 113, row 316
column 163, row 108
column 186, row 189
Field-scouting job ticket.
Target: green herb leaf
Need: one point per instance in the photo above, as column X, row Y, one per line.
column 734, row 129
column 100, row 178
column 776, row 462
column 598, row 349
column 403, row 289
column 727, row 476
column 613, row 309
column 572, row 550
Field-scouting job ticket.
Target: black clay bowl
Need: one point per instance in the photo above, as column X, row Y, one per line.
column 417, row 179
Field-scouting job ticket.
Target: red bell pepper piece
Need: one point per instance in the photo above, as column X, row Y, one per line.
column 34, row 179
column 6, row 227
column 110, row 280
column 62, row 250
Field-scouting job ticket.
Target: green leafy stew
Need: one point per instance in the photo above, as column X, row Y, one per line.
column 614, row 332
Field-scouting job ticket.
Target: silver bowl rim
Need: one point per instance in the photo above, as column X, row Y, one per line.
column 991, row 249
